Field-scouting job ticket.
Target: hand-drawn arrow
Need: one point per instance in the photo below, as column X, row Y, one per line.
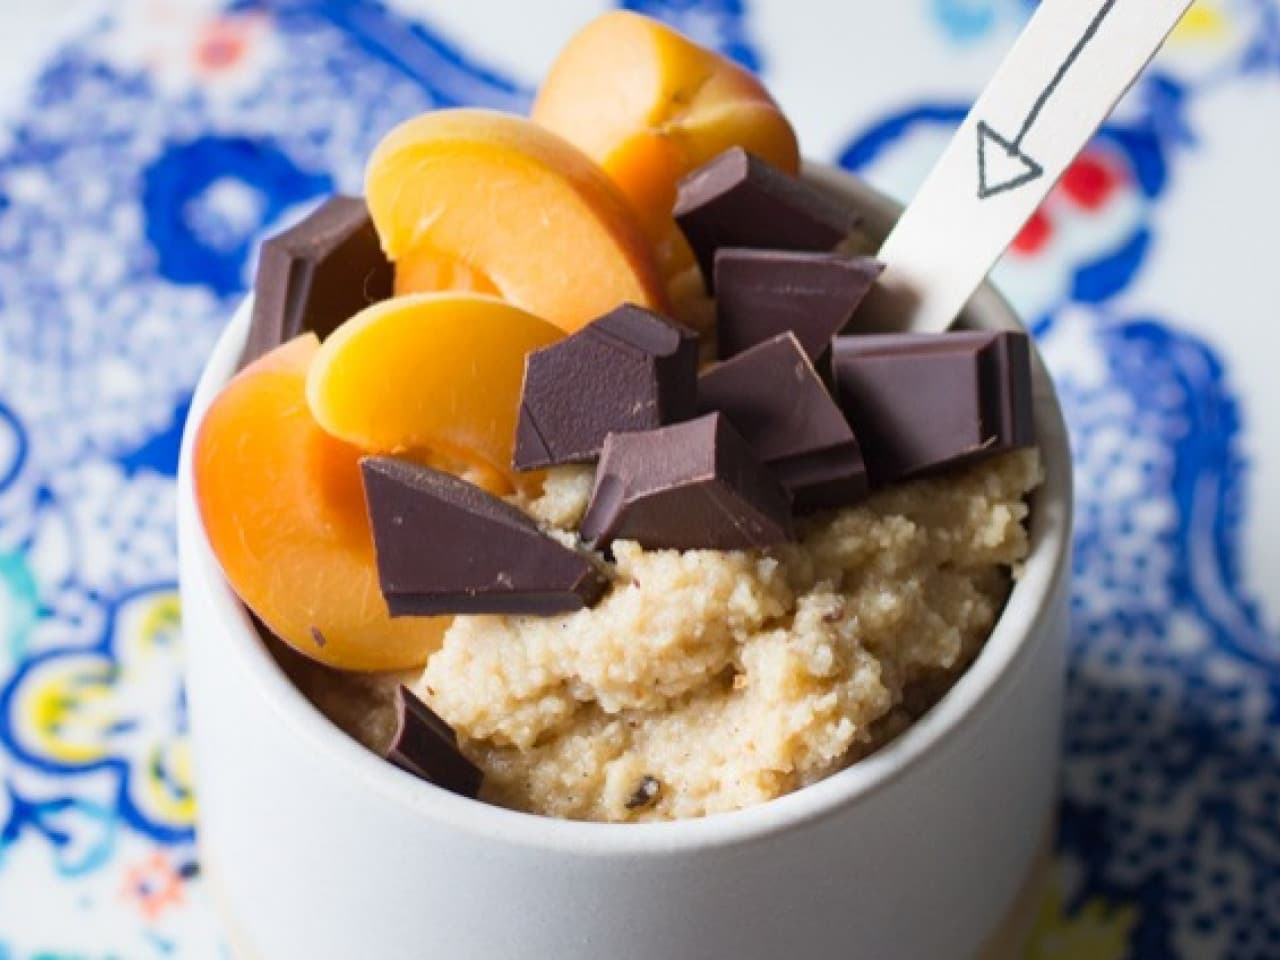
column 1002, row 164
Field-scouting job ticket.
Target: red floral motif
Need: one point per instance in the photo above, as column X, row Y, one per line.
column 1087, row 185
column 1089, row 182
column 1033, row 236
column 223, row 43
column 154, row 885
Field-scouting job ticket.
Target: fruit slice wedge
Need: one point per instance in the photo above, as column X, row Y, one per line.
column 284, row 511
column 428, row 373
column 649, row 105
column 516, row 208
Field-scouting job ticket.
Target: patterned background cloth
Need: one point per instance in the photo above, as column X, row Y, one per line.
column 152, row 148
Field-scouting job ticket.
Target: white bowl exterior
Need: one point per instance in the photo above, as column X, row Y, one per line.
column 318, row 849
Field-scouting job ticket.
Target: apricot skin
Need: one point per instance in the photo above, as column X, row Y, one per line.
column 283, row 508
column 487, row 201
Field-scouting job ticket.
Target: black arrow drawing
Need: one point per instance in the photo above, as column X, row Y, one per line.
column 1018, row 167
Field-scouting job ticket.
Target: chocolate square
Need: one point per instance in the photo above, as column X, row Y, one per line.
column 629, row 370
column 692, row 486
column 920, row 402
column 762, row 293
column 316, row 275
column 738, row 200
column 444, row 546
column 774, row 398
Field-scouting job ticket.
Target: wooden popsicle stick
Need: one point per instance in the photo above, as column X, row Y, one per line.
column 1065, row 73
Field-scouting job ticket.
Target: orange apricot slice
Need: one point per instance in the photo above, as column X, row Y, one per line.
column 516, row 208
column 283, row 508
column 435, row 372
column 649, row 105
column 422, row 271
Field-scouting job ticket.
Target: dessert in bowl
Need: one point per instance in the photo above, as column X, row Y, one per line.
column 709, row 613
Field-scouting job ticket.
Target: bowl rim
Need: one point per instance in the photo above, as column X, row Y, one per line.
column 1024, row 623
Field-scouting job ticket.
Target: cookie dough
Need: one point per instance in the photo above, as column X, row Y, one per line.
column 708, row 681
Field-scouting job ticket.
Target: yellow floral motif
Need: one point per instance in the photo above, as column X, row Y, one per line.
column 81, row 708
column 166, row 787
column 162, row 620
column 1203, row 21
column 68, row 710
column 1098, row 930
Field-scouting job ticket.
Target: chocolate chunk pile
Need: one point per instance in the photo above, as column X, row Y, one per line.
column 799, row 414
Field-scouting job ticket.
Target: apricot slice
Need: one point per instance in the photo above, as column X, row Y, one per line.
column 519, row 210
column 423, row 271
column 284, row 511
column 649, row 105
column 428, row 372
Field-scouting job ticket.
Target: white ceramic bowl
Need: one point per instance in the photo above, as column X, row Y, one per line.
column 317, row 849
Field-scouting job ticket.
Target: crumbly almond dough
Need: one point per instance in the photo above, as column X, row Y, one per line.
column 707, row 681
column 565, row 492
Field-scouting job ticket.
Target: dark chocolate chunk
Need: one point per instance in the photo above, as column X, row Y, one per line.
column 647, row 792
column 629, row 370
column 773, row 397
column 919, row 402
column 762, row 293
column 738, row 200
column 691, row 486
column 427, row 747
column 316, row 275
column 445, row 546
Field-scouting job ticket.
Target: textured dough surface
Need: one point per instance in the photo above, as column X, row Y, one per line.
column 709, row 681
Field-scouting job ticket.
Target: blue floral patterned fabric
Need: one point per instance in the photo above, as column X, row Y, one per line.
column 161, row 143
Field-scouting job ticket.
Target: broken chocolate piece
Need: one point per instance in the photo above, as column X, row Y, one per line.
column 316, row 275
column 738, row 200
column 691, row 486
column 629, row 370
column 773, row 397
column 427, row 747
column 762, row 293
column 445, row 546
column 919, row 402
